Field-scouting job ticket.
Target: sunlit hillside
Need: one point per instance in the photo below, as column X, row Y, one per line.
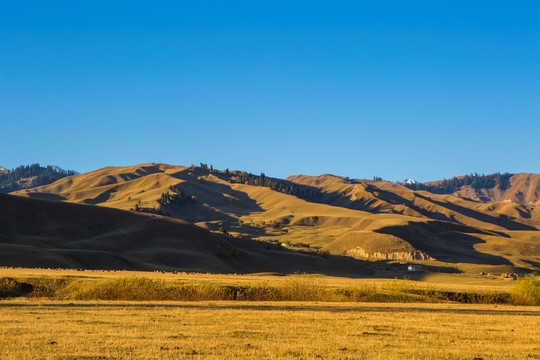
column 377, row 220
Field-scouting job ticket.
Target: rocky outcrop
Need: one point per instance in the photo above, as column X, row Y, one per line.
column 399, row 255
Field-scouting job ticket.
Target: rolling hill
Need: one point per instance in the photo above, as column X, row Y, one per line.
column 375, row 220
column 50, row 234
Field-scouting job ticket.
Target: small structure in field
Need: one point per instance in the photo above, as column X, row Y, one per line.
column 414, row 268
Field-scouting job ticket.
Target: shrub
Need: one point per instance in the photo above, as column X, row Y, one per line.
column 360, row 293
column 12, row 288
column 298, row 287
column 143, row 289
column 222, row 230
column 47, row 287
column 259, row 292
column 126, row 288
column 324, row 253
column 526, row 291
column 303, row 288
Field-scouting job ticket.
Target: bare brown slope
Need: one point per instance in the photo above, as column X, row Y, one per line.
column 40, row 233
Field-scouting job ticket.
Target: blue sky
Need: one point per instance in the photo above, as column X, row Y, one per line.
column 397, row 89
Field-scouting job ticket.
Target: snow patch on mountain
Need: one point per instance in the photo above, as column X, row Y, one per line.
column 58, row 168
column 410, row 182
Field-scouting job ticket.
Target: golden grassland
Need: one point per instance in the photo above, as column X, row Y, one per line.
column 441, row 280
column 72, row 314
column 266, row 330
column 149, row 286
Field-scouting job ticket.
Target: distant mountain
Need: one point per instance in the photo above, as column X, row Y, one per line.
column 29, row 176
column 521, row 188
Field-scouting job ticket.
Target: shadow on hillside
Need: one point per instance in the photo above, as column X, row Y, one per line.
column 101, row 198
column 228, row 199
column 263, row 257
column 536, row 264
column 389, row 197
column 444, row 241
column 394, row 199
column 46, row 196
column 218, row 205
column 480, row 216
column 212, row 202
column 393, row 269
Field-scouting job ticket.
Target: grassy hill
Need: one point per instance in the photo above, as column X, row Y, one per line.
column 356, row 218
column 50, row 234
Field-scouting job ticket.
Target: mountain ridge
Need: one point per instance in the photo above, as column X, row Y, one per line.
column 312, row 213
column 521, row 188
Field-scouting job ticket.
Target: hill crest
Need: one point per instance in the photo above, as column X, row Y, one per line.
column 310, row 213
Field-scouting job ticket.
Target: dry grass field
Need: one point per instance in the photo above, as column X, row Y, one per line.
column 257, row 330
column 451, row 282
column 140, row 285
column 78, row 319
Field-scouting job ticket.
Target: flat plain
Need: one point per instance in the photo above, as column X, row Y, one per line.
column 51, row 328
column 266, row 330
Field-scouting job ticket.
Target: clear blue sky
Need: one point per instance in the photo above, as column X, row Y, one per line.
column 397, row 89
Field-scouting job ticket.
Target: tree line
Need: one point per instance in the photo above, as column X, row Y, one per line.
column 477, row 182
column 12, row 180
column 284, row 186
column 302, row 191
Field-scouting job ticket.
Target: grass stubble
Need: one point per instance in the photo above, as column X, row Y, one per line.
column 268, row 330
column 303, row 318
